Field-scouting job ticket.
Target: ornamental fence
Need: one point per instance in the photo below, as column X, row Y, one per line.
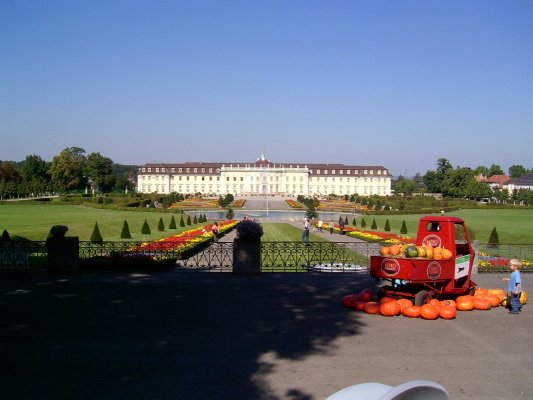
column 218, row 257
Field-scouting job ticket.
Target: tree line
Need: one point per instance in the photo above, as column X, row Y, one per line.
column 71, row 170
column 461, row 182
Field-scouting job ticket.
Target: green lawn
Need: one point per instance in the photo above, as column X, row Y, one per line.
column 34, row 222
column 514, row 226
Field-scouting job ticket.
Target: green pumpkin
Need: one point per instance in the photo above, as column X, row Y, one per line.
column 411, row 251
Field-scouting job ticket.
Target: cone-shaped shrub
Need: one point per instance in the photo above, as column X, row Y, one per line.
column 160, row 225
column 96, row 237
column 172, row 224
column 363, row 223
column 125, row 234
column 354, row 222
column 374, row 225
column 403, row 229
column 188, row 220
column 195, row 220
column 387, row 225
column 345, row 220
column 494, row 240
column 145, row 230
column 182, row 222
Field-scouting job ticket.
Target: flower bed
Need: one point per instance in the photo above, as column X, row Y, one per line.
column 196, row 203
column 238, row 203
column 294, row 204
column 371, row 236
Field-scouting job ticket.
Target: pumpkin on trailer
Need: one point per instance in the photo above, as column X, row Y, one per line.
column 411, row 311
column 429, row 252
column 372, row 307
column 448, row 312
column 465, row 303
column 446, row 254
column 385, row 250
column 394, row 250
column 389, row 308
column 429, row 311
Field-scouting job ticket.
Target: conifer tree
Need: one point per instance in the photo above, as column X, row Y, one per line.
column 374, row 225
column 346, row 220
column 125, row 234
column 403, row 229
column 182, row 222
column 195, row 220
column 363, row 223
column 172, row 224
column 354, row 222
column 387, row 225
column 161, row 225
column 189, row 220
column 145, row 230
column 494, row 240
column 96, row 237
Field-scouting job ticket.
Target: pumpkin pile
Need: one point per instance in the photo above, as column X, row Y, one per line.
column 412, row 251
column 483, row 299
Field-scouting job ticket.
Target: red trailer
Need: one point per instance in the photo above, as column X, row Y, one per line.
column 423, row 278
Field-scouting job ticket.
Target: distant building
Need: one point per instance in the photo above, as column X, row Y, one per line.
column 496, row 181
column 525, row 182
column 263, row 177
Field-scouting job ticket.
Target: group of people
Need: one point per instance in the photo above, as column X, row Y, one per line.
column 319, row 225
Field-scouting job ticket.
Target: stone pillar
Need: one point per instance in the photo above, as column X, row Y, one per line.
column 63, row 252
column 246, row 256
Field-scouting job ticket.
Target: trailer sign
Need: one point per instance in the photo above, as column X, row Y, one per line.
column 432, row 240
column 390, row 266
column 462, row 266
column 434, row 270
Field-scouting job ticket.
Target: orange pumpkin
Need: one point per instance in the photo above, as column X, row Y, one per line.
column 436, row 303
column 481, row 303
column 498, row 292
column 404, row 303
column 394, row 250
column 446, row 254
column 448, row 303
column 411, row 311
column 372, row 307
column 494, row 300
column 429, row 252
column 465, row 303
column 385, row 251
column 359, row 306
column 389, row 308
column 387, row 299
column 429, row 311
column 348, row 300
column 448, row 312
column 366, row 295
column 481, row 292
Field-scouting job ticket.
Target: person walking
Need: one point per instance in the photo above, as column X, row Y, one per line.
column 215, row 229
column 341, row 225
column 305, row 233
column 515, row 285
column 319, row 225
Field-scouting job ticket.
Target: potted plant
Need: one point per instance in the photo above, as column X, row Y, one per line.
column 247, row 247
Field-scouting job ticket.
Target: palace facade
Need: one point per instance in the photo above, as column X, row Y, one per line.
column 263, row 177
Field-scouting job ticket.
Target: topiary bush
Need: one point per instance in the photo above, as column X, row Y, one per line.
column 189, row 220
column 374, row 225
column 96, row 237
column 248, row 229
column 145, row 230
column 160, row 225
column 172, row 224
column 494, row 240
column 125, row 234
column 182, row 222
column 403, row 229
column 387, row 225
column 363, row 223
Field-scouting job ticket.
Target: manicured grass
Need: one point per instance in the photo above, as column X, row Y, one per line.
column 282, row 232
column 513, row 225
column 33, row 222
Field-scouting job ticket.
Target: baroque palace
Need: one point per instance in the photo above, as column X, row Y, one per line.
column 263, row 177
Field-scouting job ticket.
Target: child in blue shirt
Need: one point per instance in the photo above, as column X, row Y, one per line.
column 515, row 285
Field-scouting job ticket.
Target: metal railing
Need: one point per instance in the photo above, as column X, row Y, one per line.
column 209, row 256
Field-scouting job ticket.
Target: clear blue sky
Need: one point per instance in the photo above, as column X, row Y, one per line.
column 393, row 83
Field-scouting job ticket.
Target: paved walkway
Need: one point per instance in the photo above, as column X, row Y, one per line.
column 211, row 336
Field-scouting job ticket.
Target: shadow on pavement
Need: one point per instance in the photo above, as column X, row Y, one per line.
column 166, row 335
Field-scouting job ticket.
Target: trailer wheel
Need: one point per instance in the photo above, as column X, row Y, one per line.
column 422, row 297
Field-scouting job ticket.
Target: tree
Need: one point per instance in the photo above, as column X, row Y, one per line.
column 145, row 230
column 495, row 170
column 100, row 171
column 403, row 229
column 456, row 182
column 230, row 214
column 195, row 220
column 35, row 174
column 374, row 225
column 433, row 179
column 363, row 223
column 125, row 234
column 387, row 225
column 517, row 171
column 66, row 171
column 500, row 194
column 182, row 222
column 354, row 222
column 172, row 224
column 189, row 220
column 161, row 225
column 494, row 240
column 405, row 186
column 96, row 237
column 478, row 190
